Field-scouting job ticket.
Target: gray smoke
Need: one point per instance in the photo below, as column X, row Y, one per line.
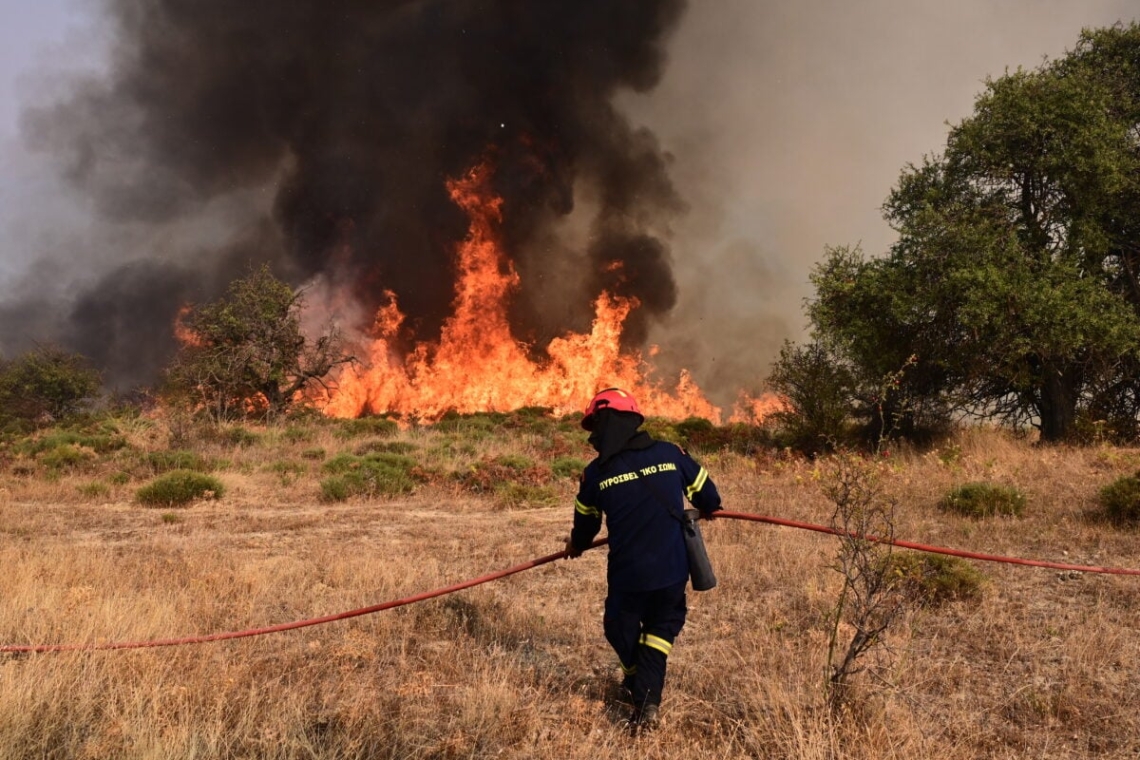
column 334, row 126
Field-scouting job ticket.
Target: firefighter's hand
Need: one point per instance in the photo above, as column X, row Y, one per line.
column 571, row 552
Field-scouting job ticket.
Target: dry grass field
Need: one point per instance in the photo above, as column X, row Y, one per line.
column 1044, row 664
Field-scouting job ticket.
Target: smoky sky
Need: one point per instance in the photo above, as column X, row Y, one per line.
column 325, row 132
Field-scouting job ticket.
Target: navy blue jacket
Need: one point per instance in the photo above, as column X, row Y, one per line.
column 647, row 550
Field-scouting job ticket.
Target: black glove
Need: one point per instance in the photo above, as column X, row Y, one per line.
column 571, row 552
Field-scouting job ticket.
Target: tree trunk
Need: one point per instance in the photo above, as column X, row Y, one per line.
column 1058, row 407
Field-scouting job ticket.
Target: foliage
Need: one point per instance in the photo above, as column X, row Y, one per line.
column 46, row 384
column 166, row 461
column 1121, row 500
column 932, row 580
column 366, row 426
column 567, row 467
column 99, row 442
column 512, row 495
column 1014, row 278
column 984, row 500
column 820, row 390
column 246, row 354
column 700, row 434
column 178, row 488
column 375, row 474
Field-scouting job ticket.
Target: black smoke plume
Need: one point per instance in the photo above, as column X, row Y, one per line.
column 346, row 118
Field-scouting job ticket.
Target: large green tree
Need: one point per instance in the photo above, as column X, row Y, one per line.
column 1015, row 280
column 245, row 354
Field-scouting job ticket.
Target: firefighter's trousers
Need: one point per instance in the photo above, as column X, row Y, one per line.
column 641, row 627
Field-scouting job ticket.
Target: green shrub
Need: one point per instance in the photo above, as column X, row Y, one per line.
column 367, row 426
column 376, row 474
column 294, row 434
column 515, row 461
column 178, row 488
column 567, row 467
column 289, row 472
column 931, row 580
column 239, row 436
column 100, row 443
column 335, row 488
column 1121, row 499
column 165, row 461
column 512, row 495
column 385, row 447
column 984, row 500
column 46, row 384
column 95, row 490
column 66, row 457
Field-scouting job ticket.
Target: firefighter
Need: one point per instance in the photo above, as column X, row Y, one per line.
column 640, row 485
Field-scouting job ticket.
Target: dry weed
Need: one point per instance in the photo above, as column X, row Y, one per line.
column 1042, row 665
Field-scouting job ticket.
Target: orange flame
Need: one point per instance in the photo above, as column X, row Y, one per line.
column 183, row 333
column 754, row 410
column 477, row 365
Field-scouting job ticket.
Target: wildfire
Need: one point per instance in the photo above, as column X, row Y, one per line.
column 478, row 366
column 183, row 333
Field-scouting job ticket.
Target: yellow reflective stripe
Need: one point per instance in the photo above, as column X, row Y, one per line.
column 582, row 509
column 656, row 642
column 698, row 484
column 627, row 671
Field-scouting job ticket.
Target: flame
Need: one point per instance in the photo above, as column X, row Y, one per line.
column 754, row 410
column 477, row 365
column 183, row 333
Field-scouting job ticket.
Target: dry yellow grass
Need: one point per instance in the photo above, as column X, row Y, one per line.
column 1044, row 665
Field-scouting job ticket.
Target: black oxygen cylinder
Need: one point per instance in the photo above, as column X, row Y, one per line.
column 700, row 568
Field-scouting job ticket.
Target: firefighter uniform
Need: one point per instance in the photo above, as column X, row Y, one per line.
column 641, row 491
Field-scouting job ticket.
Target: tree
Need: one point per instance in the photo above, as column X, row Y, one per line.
column 1014, row 281
column 245, row 354
column 46, row 384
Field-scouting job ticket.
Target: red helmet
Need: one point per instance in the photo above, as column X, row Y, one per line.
column 610, row 398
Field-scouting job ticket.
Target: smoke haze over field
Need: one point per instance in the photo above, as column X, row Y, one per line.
column 714, row 149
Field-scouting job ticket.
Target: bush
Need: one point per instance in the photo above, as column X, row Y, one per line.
column 931, row 580
column 376, row 474
column 100, row 443
column 239, row 436
column 66, row 457
column 1121, row 500
column 379, row 427
column 820, row 389
column 165, row 461
column 46, row 384
column 512, row 495
column 385, row 447
column 250, row 356
column 178, row 488
column 984, row 500
column 567, row 467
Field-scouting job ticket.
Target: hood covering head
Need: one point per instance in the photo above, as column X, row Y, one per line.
column 613, row 432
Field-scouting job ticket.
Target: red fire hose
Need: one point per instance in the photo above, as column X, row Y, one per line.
column 724, row 515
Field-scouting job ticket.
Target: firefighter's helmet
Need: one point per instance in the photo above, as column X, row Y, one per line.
column 610, row 398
